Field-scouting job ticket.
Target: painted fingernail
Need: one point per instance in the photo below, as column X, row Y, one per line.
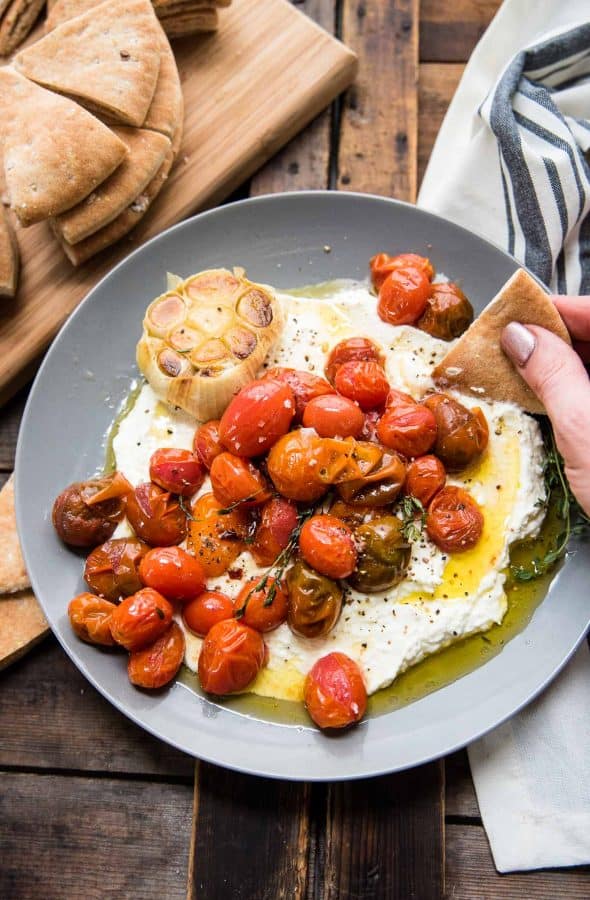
column 518, row 342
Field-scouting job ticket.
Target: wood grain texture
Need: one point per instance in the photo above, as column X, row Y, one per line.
column 9, row 425
column 92, row 838
column 436, row 86
column 460, row 799
column 379, row 128
column 450, row 29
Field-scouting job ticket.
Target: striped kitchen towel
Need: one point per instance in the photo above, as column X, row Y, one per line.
column 511, row 162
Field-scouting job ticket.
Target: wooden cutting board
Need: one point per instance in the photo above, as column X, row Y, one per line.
column 248, row 89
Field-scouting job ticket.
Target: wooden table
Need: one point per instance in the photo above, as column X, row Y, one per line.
column 92, row 807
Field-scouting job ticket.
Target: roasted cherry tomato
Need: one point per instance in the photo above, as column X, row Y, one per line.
column 207, row 443
column 383, row 265
column 334, row 416
column 363, row 382
column 326, row 543
column 216, row 539
column 353, row 515
column 369, row 430
column 156, row 516
column 263, row 609
column 448, row 312
column 173, row 572
column 90, row 617
column 257, row 417
column 305, row 386
column 315, row 601
column 157, row 664
column 335, row 695
column 356, row 349
column 139, row 620
column 278, row 521
column 231, row 657
column 424, row 478
column 206, row 610
column 112, row 570
column 237, row 480
column 294, row 465
column 454, row 521
column 462, row 434
column 87, row 512
column 397, row 398
column 403, row 296
column 380, row 484
column 409, row 430
column 384, row 555
column 178, row 471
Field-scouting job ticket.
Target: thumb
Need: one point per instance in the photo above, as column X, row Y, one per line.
column 555, row 372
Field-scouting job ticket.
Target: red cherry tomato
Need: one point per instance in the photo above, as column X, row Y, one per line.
column 155, row 516
column 139, row 620
column 397, row 398
column 409, row 430
column 356, row 349
column 206, row 610
column 334, row 416
column 231, row 657
column 454, row 521
column 263, row 609
column 403, row 296
column 326, row 543
column 237, row 480
column 363, row 382
column 305, row 386
column 383, row 265
column 278, row 521
column 335, row 693
column 90, row 617
column 173, row 572
column 112, row 570
column 425, row 476
column 178, row 471
column 156, row 665
column 207, row 443
column 257, row 417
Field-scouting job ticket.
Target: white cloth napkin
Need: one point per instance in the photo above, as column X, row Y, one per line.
column 508, row 164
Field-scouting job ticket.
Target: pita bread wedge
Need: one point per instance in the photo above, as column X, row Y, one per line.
column 22, row 625
column 477, row 365
column 13, row 575
column 62, row 10
column 167, row 108
column 180, row 24
column 107, row 58
column 9, row 260
column 16, row 23
column 146, row 153
column 55, row 153
column 162, row 7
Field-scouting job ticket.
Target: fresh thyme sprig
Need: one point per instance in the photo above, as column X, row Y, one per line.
column 238, row 503
column 185, row 508
column 411, row 528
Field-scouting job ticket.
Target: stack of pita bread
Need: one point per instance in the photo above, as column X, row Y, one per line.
column 91, row 122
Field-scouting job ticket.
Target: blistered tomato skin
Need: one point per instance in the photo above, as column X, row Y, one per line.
column 90, row 618
column 448, row 312
column 278, row 520
column 140, row 619
column 172, row 572
column 237, row 480
column 409, row 430
column 206, row 610
column 326, row 543
column 462, row 433
column 86, row 513
column 335, row 695
column 264, row 609
column 294, row 465
column 383, row 265
column 231, row 657
column 112, row 570
column 356, row 349
column 156, row 516
column 178, row 471
column 156, row 665
column 424, row 478
column 454, row 521
column 257, row 417
column 305, row 387
column 403, row 296
column 363, row 382
column 207, row 443
column 334, row 416
column 216, row 539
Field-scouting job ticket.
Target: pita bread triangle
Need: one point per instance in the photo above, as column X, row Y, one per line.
column 108, row 58
column 9, row 259
column 167, row 108
column 477, row 364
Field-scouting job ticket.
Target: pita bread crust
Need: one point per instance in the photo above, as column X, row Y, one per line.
column 108, row 57
column 167, row 108
column 178, row 25
column 16, row 23
column 477, row 364
column 9, row 259
column 13, row 574
column 55, row 153
column 22, row 625
column 62, row 10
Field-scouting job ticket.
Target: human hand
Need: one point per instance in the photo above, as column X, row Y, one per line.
column 556, row 373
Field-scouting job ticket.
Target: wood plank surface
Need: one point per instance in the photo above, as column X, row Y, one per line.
column 450, row 29
column 436, row 85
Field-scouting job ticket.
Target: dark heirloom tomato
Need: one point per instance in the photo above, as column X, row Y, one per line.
column 353, row 515
column 448, row 312
column 384, row 555
column 356, row 349
column 315, row 601
column 363, row 382
column 90, row 617
column 327, row 544
column 305, row 386
column 409, row 430
column 335, row 695
column 424, row 478
column 263, row 609
column 462, row 434
column 237, row 480
column 454, row 521
column 207, row 443
column 206, row 610
column 334, row 416
column 178, row 471
column 381, row 483
column 278, row 521
column 139, row 620
column 112, row 569
column 173, row 572
column 156, row 516
column 257, row 417
column 231, row 657
column 216, row 540
column 156, row 665
column 383, row 265
column 403, row 296
column 87, row 512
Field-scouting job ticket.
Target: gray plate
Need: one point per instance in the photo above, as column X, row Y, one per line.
column 279, row 239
